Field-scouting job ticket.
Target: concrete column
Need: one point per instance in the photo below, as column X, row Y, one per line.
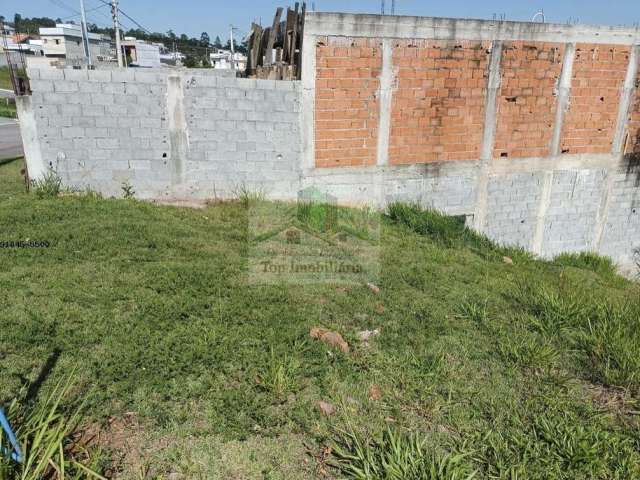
column 617, row 149
column 387, row 80
column 543, row 206
column 177, row 128
column 626, row 97
column 36, row 166
column 308, row 113
column 564, row 96
column 488, row 138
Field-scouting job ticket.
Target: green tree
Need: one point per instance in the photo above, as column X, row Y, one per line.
column 190, row 61
column 204, row 39
column 217, row 43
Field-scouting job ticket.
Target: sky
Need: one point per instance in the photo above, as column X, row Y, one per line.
column 214, row 16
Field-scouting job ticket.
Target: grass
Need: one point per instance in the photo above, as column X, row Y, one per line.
column 481, row 368
column 5, row 79
column 7, row 107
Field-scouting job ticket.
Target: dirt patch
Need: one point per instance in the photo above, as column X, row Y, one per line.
column 613, row 399
column 125, row 440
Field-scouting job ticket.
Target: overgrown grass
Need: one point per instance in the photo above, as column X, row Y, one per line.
column 397, row 456
column 8, row 109
column 43, row 431
column 5, row 79
column 484, row 366
column 589, row 261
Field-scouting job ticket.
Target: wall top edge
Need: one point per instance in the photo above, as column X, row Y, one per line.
column 395, row 26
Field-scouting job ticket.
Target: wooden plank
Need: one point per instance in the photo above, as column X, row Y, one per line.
column 299, row 61
column 272, row 37
column 288, row 29
column 254, row 54
column 263, row 46
column 294, row 36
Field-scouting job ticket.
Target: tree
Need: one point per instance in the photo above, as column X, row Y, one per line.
column 17, row 18
column 190, row 61
column 204, row 39
column 218, row 42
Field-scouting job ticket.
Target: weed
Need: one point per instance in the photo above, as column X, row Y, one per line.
column 528, row 351
column 611, row 343
column 278, row 375
column 473, row 310
column 48, row 186
column 396, row 456
column 247, row 196
column 553, row 312
column 43, row 432
column 127, row 190
column 603, row 266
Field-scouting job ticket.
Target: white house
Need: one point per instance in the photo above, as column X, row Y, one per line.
column 222, row 60
column 65, row 41
column 140, row 53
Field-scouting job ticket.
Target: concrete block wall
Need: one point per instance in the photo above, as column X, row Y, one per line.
column 531, row 131
column 176, row 134
column 524, row 128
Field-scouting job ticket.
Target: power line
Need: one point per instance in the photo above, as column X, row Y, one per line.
column 127, row 16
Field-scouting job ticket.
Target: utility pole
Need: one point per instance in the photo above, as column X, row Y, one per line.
column 233, row 60
column 85, row 35
column 116, row 30
column 393, row 7
column 382, row 8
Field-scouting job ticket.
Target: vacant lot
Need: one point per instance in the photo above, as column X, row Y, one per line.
column 527, row 369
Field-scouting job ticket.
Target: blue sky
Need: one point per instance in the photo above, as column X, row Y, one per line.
column 214, row 16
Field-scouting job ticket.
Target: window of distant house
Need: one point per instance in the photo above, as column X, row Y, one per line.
column 45, row 40
column 57, row 42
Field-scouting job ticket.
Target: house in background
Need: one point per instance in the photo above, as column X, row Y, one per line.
column 140, row 53
column 7, row 29
column 221, row 60
column 64, row 41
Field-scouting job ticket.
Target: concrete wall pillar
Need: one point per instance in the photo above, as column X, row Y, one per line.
column 617, row 149
column 177, row 128
column 36, row 166
column 488, row 139
column 308, row 102
column 387, row 80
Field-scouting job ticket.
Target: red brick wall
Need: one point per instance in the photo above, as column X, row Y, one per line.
column 347, row 110
column 438, row 106
column 527, row 99
column 633, row 142
column 598, row 77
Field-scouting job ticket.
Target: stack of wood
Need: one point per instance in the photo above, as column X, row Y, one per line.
column 275, row 53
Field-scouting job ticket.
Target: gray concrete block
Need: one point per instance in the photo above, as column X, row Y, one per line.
column 90, row 87
column 102, row 99
column 51, row 74
column 77, row 75
column 42, row 86
column 99, row 75
column 90, row 110
column 108, row 143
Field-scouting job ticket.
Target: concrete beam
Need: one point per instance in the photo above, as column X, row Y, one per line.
column 619, row 140
column 177, row 128
column 308, row 111
column 626, row 98
column 36, row 166
column 387, row 81
column 563, row 97
column 489, row 134
column 396, row 26
column 543, row 206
